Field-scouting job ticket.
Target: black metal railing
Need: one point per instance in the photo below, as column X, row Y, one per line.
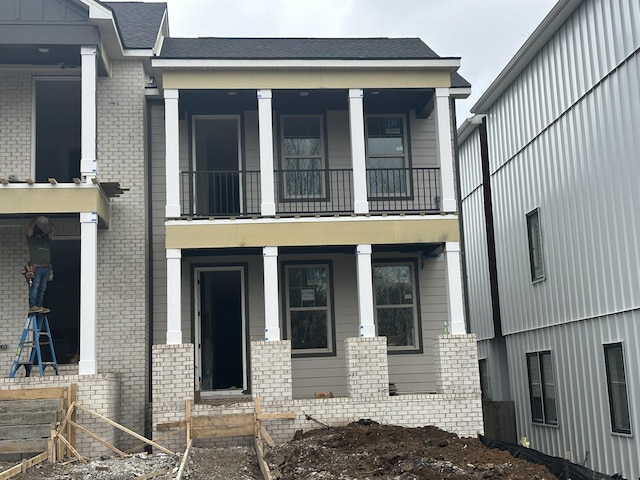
column 307, row 192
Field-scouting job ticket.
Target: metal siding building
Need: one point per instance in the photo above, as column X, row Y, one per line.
column 563, row 137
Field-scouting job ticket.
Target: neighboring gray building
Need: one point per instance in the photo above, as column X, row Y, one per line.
column 549, row 170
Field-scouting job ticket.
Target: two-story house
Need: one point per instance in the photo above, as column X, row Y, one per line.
column 239, row 218
column 548, row 180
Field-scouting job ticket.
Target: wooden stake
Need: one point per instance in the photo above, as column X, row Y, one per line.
column 184, row 461
column 126, row 430
column 26, row 464
column 73, row 450
column 95, row 437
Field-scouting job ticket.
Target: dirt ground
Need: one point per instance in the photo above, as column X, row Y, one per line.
column 359, row 451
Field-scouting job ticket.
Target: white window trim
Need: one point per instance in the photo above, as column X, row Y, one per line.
column 284, row 156
column 328, row 308
column 417, row 332
column 545, row 422
column 626, row 381
column 535, row 278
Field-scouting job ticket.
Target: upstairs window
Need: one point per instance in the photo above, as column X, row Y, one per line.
column 617, row 387
column 387, row 158
column 396, row 305
column 542, row 389
column 303, row 160
column 535, row 246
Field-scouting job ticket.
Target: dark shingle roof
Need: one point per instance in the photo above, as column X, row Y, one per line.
column 297, row 48
column 458, row 81
column 138, row 23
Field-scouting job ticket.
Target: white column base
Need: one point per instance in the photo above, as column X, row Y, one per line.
column 367, row 330
column 449, row 205
column 268, row 209
column 172, row 211
column 174, row 337
column 361, row 207
column 87, row 367
column 272, row 334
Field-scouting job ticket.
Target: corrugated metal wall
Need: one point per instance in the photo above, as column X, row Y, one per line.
column 565, row 138
column 584, row 424
column 475, row 239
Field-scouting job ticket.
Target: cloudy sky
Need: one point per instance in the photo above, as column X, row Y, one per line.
column 484, row 33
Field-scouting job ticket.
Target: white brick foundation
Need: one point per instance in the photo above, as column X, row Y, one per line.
column 100, row 393
column 172, row 385
column 367, row 367
column 271, row 370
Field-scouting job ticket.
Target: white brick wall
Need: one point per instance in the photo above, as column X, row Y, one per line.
column 271, row 370
column 172, row 385
column 122, row 319
column 457, row 364
column 367, row 367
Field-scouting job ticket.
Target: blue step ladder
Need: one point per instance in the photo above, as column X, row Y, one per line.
column 37, row 325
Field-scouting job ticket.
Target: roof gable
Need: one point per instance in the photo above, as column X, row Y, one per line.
column 138, row 22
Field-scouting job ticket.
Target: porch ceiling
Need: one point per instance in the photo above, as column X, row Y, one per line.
column 25, row 199
column 311, row 232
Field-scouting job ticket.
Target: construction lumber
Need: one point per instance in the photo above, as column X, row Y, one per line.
column 23, row 446
column 154, row 474
column 126, row 430
column 171, row 425
column 235, row 425
column 23, row 467
column 163, row 437
column 71, row 449
column 97, row 438
column 33, row 393
column 184, row 460
column 264, row 468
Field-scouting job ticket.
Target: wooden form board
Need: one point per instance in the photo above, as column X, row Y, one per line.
column 27, row 416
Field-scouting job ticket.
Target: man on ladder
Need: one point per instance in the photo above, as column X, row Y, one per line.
column 39, row 235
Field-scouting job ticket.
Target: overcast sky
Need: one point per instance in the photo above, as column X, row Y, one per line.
column 484, row 33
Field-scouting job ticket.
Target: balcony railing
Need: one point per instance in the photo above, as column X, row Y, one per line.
column 309, row 192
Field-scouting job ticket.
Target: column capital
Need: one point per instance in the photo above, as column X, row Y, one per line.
column 356, row 93
column 171, row 94
column 452, row 247
column 443, row 92
column 264, row 94
column 364, row 249
column 269, row 251
column 174, row 253
column 88, row 50
column 88, row 217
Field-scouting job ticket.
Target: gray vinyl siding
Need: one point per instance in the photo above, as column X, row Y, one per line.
column 584, row 423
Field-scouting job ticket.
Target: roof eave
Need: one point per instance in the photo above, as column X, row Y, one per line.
column 449, row 64
column 536, row 41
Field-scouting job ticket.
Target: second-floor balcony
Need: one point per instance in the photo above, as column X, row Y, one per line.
column 309, row 192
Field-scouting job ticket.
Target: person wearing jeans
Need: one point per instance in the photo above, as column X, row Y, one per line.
column 39, row 234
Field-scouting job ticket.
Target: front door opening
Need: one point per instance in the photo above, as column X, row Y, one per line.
column 222, row 330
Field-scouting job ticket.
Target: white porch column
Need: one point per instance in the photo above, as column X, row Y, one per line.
column 445, row 150
column 454, row 289
column 89, row 76
column 358, row 156
column 88, row 288
column 271, row 308
column 365, row 291
column 265, row 128
column 172, row 155
column 174, row 296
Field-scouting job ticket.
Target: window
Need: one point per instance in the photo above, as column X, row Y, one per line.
column 542, row 388
column 535, row 246
column 617, row 386
column 302, row 157
column 386, row 156
column 308, row 308
column 396, row 305
column 484, row 379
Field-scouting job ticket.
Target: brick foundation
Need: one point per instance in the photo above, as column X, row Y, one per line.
column 367, row 367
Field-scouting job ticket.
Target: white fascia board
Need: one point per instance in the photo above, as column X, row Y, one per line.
column 468, row 127
column 138, row 52
column 451, row 64
column 460, row 92
column 363, row 218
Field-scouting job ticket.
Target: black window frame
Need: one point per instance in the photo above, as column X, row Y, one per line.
column 330, row 351
column 548, row 413
column 416, row 347
column 536, row 250
column 615, row 419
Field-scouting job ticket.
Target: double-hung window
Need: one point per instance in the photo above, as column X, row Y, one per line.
column 387, row 158
column 617, row 387
column 542, row 389
column 396, row 304
column 535, row 246
column 303, row 163
column 308, row 307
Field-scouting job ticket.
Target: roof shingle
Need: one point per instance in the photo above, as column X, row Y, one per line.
column 138, row 22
